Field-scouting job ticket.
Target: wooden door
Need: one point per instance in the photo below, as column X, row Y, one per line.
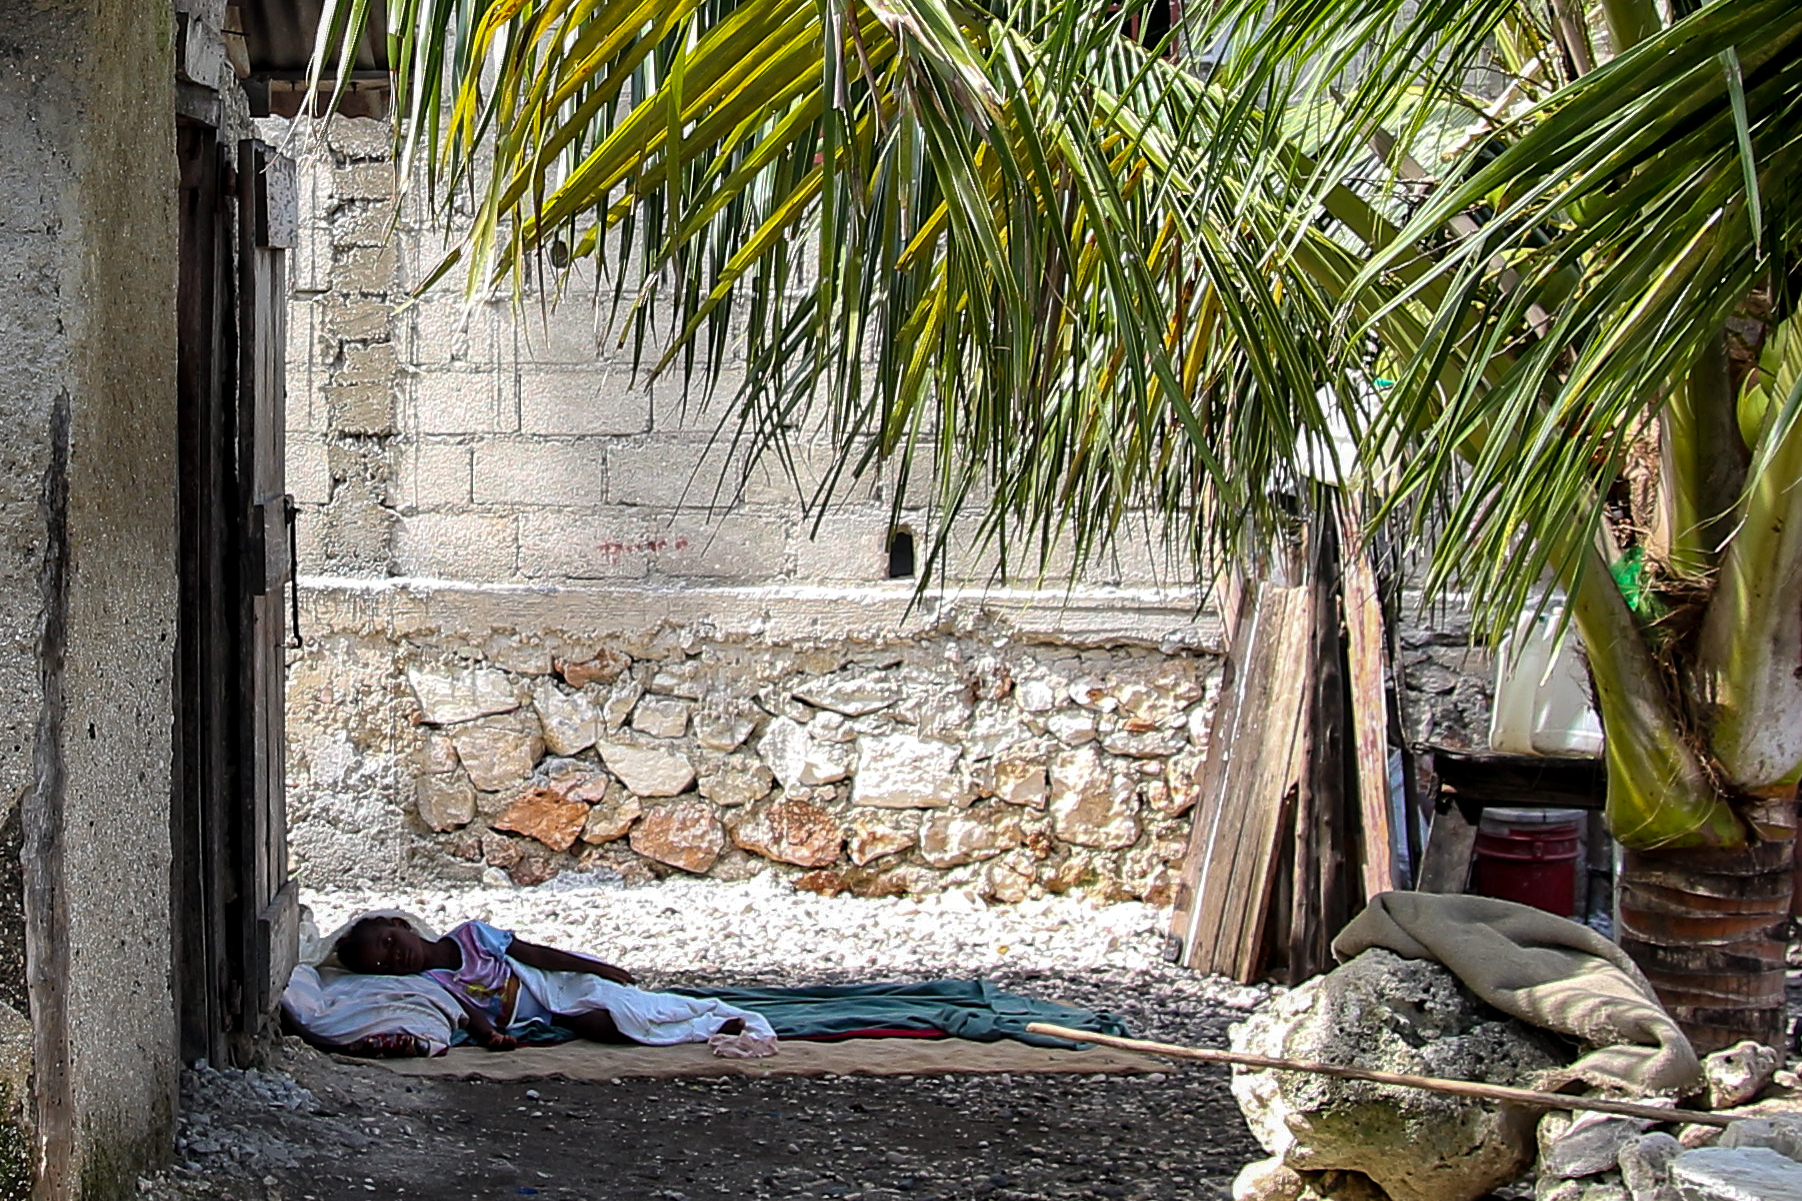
column 234, row 909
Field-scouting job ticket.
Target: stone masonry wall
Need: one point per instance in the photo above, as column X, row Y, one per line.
column 442, row 736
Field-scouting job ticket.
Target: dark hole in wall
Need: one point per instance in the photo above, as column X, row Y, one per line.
column 12, row 914
column 901, row 555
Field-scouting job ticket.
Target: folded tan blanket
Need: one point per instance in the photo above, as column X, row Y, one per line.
column 1547, row 971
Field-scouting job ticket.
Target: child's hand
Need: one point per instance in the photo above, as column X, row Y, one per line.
column 502, row 1042
column 618, row 975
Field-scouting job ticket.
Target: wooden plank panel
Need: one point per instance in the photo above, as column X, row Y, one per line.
column 1445, row 864
column 1366, row 672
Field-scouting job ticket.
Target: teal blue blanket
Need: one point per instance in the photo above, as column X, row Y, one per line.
column 972, row 1009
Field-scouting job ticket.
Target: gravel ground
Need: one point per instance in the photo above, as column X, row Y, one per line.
column 315, row 1128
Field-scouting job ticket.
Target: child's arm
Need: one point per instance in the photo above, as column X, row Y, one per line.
column 550, row 959
column 481, row 1027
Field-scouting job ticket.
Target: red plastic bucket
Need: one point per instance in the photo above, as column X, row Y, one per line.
column 1533, row 862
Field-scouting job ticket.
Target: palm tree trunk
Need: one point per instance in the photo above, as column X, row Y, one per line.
column 1709, row 928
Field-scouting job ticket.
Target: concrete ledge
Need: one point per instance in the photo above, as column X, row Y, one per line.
column 1166, row 619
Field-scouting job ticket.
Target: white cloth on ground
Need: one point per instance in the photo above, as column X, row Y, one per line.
column 338, row 1008
column 657, row 1019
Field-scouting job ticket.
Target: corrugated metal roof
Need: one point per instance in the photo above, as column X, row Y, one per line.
column 278, row 34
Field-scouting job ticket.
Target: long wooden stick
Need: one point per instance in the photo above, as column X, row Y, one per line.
column 1457, row 1088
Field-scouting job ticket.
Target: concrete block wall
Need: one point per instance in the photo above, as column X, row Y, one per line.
column 495, row 444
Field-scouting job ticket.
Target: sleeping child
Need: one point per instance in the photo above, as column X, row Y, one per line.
column 514, row 991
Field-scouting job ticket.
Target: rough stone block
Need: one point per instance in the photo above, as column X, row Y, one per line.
column 309, row 475
column 363, row 224
column 670, row 473
column 541, row 474
column 444, row 333
column 737, row 547
column 445, row 802
column 430, row 474
column 365, row 181
column 589, row 401
column 460, row 402
column 565, row 333
column 685, row 834
column 361, row 138
column 498, row 752
column 851, row 548
column 366, row 362
column 361, row 408
column 355, row 318
column 899, row 771
column 447, row 697
column 647, row 771
column 560, row 545
column 371, row 270
column 1736, row 1174
column 459, row 546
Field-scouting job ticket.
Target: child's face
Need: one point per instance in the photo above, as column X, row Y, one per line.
column 391, row 948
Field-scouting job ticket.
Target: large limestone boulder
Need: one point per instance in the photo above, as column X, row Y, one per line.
column 1392, row 1014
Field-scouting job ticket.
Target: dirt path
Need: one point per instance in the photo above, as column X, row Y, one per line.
column 322, row 1129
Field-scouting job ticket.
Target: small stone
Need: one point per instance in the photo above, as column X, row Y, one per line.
column 611, row 818
column 1646, row 1167
column 1021, row 782
column 1736, row 1174
column 1590, row 1145
column 1780, row 1132
column 444, row 802
column 622, row 698
column 1739, row 1073
column 685, row 678
column 851, row 696
column 950, row 839
column 497, row 754
column 1144, row 744
column 1092, row 692
column 660, row 717
column 791, row 831
column 1072, row 729
column 570, row 722
column 685, row 834
column 885, row 832
column 900, row 771
column 647, row 771
column 798, row 760
column 548, row 816
column 500, row 851
column 1091, row 805
column 1182, row 775
column 438, row 755
column 737, row 783
column 531, row 870
column 604, row 668
column 1267, row 1180
column 722, row 731
column 447, row 698
column 1035, row 696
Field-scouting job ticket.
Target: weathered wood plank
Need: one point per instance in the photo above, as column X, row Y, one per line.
column 1366, row 671
column 1445, row 865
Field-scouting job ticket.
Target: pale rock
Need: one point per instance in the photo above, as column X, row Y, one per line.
column 791, row 831
column 437, row 755
column 1736, row 1174
column 721, row 730
column 1200, row 724
column 1646, row 1167
column 1092, row 692
column 661, row 717
column 1036, row 696
column 1392, row 1014
column 647, row 771
column 968, row 836
column 1339, row 1186
column 498, row 753
column 800, row 761
column 684, row 834
column 1153, row 743
column 621, row 699
column 1780, row 1132
column 686, row 679
column 1009, row 878
column 500, row 851
column 882, row 832
column 450, row 697
column 994, row 732
column 899, row 771
column 1182, row 773
column 1586, row 1145
column 521, row 658
column 1092, row 805
column 944, row 715
column 444, row 802
column 1148, row 703
column 611, row 818
column 1072, row 729
column 850, row 695
column 550, row 817
column 1267, row 1180
column 831, row 727
column 570, row 722
column 737, row 782
column 1738, row 1073
column 1021, row 782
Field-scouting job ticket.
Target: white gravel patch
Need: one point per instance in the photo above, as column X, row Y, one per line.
column 763, row 927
